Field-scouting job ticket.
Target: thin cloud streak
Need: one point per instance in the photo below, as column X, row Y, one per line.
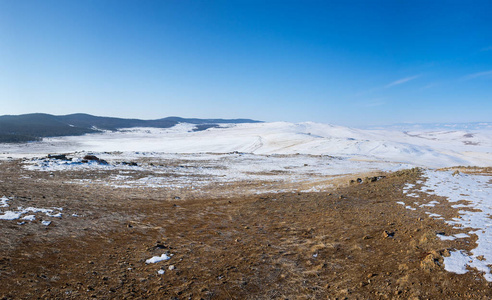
column 476, row 75
column 397, row 82
column 401, row 81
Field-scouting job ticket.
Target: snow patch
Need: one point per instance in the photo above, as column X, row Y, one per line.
column 446, row 237
column 3, row 202
column 476, row 191
column 10, row 215
column 29, row 218
column 55, row 212
column 430, row 204
column 157, row 259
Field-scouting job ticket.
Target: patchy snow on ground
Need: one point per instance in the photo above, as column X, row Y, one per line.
column 296, row 153
column 55, row 212
column 476, row 190
column 10, row 215
column 29, row 218
column 430, row 204
column 406, row 206
column 156, row 259
column 174, row 171
column 4, row 202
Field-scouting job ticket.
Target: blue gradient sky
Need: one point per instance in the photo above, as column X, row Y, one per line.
column 343, row 62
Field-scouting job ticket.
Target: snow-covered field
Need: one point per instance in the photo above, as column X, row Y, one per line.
column 262, row 151
column 177, row 171
column 420, row 148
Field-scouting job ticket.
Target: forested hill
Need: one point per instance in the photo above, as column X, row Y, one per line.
column 32, row 127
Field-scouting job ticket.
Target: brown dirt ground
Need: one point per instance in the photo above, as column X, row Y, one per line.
column 326, row 245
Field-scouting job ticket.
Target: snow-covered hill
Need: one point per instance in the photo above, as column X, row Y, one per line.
column 421, row 148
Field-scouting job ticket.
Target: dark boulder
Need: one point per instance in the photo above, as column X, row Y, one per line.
column 89, row 158
column 58, row 156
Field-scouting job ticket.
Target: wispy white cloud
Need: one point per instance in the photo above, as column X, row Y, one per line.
column 401, row 81
column 477, row 75
column 397, row 82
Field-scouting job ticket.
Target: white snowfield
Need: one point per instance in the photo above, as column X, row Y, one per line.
column 429, row 149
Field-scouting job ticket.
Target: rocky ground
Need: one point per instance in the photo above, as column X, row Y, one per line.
column 352, row 242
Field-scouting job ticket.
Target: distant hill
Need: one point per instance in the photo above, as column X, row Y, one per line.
column 436, row 126
column 33, row 127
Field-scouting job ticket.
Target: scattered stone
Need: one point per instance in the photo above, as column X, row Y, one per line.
column 58, row 156
column 432, row 261
column 371, row 179
column 358, row 180
column 388, row 234
column 158, row 245
column 455, row 173
column 89, row 158
column 172, row 267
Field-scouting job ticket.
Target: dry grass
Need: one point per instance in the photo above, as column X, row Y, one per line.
column 275, row 246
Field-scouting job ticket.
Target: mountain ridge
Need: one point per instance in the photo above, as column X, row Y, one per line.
column 35, row 126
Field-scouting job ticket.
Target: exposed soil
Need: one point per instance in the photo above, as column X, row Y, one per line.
column 354, row 242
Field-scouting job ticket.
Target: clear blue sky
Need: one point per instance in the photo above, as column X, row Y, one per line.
column 342, row 62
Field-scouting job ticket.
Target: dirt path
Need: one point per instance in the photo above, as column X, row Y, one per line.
column 355, row 242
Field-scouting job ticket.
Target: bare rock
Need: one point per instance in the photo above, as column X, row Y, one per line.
column 388, row 234
column 432, row 261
